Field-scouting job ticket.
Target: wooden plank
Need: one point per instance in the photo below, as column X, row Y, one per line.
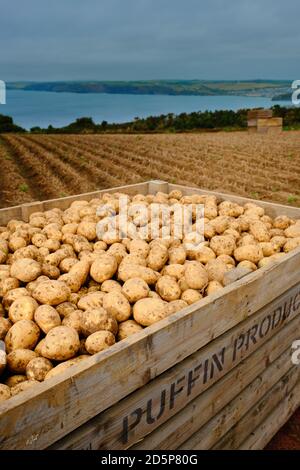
column 225, row 428
column 271, row 209
column 148, row 408
column 41, row 416
column 184, row 424
column 269, row 122
column 261, row 436
column 158, row 185
column 256, row 415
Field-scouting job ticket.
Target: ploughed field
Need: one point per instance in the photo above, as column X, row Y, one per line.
column 37, row 167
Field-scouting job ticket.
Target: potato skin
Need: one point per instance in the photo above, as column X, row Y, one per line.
column 222, row 244
column 22, row 308
column 117, row 305
column 99, row 341
column 5, row 393
column 91, row 300
column 61, row 343
column 196, row 276
column 135, row 289
column 190, row 296
column 51, row 292
column 47, row 318
column 38, row 368
column 25, row 269
column 97, row 319
column 5, row 325
column 251, row 253
column 104, row 268
column 18, row 359
column 148, row 311
column 22, row 335
column 128, row 328
column 15, row 380
column 168, row 288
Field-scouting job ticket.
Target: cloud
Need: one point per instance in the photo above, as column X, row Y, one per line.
column 142, row 39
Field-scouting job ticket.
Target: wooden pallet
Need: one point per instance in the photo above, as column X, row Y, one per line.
column 218, row 374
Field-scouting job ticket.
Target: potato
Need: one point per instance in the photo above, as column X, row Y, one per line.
column 174, row 270
column 96, row 319
column 117, row 305
column 16, row 242
column 133, row 260
column 293, row 231
column 22, row 308
column 278, row 242
column 226, row 259
column 47, row 318
column 205, row 254
column 77, row 275
column 8, row 284
column 177, row 255
column 220, row 223
column 247, row 265
column 213, row 286
column 216, row 270
column 51, row 292
column 38, row 239
column 259, row 231
column 127, row 271
column 196, row 276
column 63, row 366
column 25, row 270
column 4, row 393
column 18, row 359
column 135, row 289
column 110, row 285
column 99, row 341
column 22, row 387
column 148, row 311
column 91, row 300
column 15, row 380
column 174, row 306
column 154, row 295
column 87, row 230
column 38, row 368
column 190, row 296
column 291, row 244
column 22, row 335
column 157, row 258
column 66, row 264
column 5, row 325
column 281, row 222
column 139, row 248
column 61, row 343
column 38, row 348
column 251, row 253
column 118, row 251
column 73, row 320
column 104, row 268
column 268, row 248
column 128, row 328
column 168, row 288
column 65, row 308
column 222, row 244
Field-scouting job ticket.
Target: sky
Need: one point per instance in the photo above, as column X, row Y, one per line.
column 149, row 39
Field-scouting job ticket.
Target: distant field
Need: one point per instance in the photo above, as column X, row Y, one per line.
column 37, row 167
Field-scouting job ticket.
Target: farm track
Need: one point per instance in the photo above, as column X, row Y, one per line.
column 50, row 166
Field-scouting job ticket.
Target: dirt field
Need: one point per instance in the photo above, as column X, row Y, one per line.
column 48, row 166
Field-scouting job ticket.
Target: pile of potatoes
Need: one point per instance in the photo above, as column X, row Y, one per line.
column 65, row 294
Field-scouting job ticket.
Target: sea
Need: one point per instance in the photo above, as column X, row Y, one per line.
column 41, row 108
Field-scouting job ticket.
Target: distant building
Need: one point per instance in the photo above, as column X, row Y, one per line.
column 262, row 121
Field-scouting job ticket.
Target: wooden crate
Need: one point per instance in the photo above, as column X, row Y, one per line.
column 218, row 374
column 259, row 113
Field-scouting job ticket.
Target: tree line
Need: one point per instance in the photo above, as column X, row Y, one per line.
column 183, row 122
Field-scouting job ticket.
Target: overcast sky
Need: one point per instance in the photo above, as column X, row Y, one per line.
column 149, row 39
